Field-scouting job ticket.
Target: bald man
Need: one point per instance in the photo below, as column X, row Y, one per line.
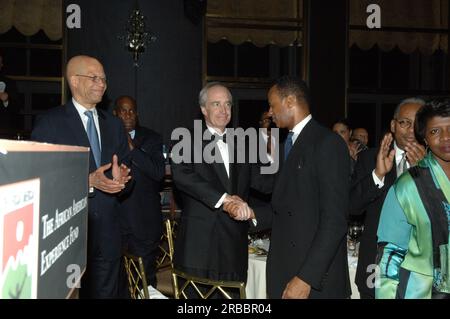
column 69, row 124
column 141, row 217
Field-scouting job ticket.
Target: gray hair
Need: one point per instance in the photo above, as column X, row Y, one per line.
column 410, row 100
column 203, row 95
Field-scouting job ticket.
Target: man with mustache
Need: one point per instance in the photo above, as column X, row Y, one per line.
column 80, row 123
column 375, row 172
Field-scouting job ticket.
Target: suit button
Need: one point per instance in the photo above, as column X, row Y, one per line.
column 290, row 214
column 292, row 244
column 275, row 212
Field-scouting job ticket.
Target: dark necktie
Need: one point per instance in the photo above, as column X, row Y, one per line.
column 93, row 137
column 288, row 145
column 220, row 137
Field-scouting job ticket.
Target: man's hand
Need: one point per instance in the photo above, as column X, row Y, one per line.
column 385, row 157
column 414, row 153
column 296, row 289
column 3, row 96
column 120, row 173
column 237, row 208
column 130, row 142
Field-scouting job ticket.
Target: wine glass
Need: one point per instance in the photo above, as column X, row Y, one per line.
column 354, row 232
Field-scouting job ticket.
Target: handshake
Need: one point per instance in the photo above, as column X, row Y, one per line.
column 237, row 208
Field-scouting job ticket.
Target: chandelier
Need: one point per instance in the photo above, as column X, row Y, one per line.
column 137, row 36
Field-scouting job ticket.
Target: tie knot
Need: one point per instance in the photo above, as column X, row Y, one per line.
column 289, row 136
column 89, row 114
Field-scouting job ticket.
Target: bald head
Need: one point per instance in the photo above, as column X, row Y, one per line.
column 79, row 64
column 126, row 110
column 86, row 79
column 125, row 99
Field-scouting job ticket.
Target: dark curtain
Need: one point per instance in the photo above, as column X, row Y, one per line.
column 169, row 74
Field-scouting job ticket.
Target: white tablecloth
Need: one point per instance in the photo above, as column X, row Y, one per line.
column 352, row 263
column 154, row 293
column 256, row 277
column 256, row 274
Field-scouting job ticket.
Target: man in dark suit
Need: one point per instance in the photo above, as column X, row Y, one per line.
column 141, row 217
column 209, row 242
column 9, row 105
column 80, row 123
column 308, row 255
column 374, row 174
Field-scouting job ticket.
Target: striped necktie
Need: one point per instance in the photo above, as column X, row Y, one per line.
column 93, row 138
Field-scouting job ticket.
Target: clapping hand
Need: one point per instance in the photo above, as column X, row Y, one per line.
column 120, row 174
column 414, row 153
column 385, row 157
column 3, row 96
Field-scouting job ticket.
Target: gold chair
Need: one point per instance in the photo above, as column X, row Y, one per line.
column 205, row 288
column 165, row 258
column 137, row 281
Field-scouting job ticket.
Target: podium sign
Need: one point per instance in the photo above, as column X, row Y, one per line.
column 43, row 219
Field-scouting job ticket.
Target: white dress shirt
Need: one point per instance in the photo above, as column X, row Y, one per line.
column 298, row 128
column 223, row 149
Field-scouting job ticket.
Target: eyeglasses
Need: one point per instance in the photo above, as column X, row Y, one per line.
column 404, row 123
column 94, row 78
column 265, row 121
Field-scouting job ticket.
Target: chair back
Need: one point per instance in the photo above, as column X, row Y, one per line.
column 137, row 280
column 166, row 244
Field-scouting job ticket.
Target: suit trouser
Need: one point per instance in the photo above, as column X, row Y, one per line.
column 101, row 279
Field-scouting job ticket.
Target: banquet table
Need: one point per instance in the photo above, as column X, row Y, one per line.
column 256, row 275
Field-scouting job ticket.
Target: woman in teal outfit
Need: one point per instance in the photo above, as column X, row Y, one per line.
column 413, row 233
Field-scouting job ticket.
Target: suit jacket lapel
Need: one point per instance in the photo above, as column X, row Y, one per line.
column 392, row 175
column 221, row 172
column 76, row 126
column 233, row 180
column 138, row 138
column 106, row 134
column 219, row 168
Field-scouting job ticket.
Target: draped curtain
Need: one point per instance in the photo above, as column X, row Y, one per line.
column 425, row 14
column 267, row 15
column 30, row 16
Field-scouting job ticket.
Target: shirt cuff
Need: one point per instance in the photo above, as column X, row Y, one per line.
column 5, row 103
column 377, row 181
column 220, row 202
column 255, row 222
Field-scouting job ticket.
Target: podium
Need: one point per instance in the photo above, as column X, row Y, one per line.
column 43, row 219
